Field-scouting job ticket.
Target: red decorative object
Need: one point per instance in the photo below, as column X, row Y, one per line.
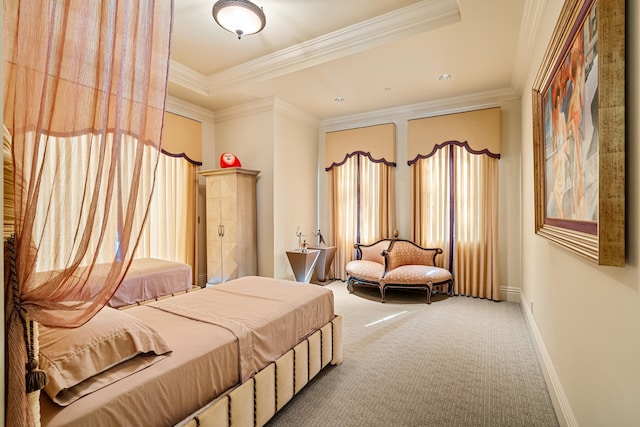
column 229, row 160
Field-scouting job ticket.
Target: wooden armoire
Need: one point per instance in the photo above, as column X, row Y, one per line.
column 230, row 224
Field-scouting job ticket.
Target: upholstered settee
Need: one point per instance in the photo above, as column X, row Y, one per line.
column 400, row 264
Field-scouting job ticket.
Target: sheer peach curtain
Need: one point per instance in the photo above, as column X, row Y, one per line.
column 84, row 86
column 455, row 207
column 9, row 210
column 361, row 206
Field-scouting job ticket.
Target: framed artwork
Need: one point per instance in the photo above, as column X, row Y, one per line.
column 579, row 132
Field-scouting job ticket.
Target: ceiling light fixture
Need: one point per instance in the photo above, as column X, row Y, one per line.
column 239, row 16
column 443, row 77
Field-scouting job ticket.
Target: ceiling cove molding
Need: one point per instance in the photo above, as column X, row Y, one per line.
column 457, row 104
column 262, row 105
column 187, row 109
column 408, row 21
column 532, row 16
column 188, row 78
column 293, row 111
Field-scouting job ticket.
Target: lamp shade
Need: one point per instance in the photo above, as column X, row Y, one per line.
column 239, row 16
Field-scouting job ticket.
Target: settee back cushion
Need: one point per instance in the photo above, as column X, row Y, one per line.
column 374, row 252
column 405, row 253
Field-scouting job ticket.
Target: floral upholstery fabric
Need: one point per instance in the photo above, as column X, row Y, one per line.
column 366, row 270
column 417, row 275
column 405, row 253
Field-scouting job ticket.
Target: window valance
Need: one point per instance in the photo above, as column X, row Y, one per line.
column 479, row 131
column 181, row 137
column 377, row 142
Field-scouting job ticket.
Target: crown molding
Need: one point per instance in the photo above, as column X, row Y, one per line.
column 188, row 78
column 417, row 18
column 457, row 104
column 268, row 104
column 295, row 112
column 254, row 107
column 532, row 17
column 183, row 108
column 414, row 19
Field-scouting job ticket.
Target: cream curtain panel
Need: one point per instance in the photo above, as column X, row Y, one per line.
column 360, row 163
column 455, row 207
column 84, row 86
column 170, row 231
column 361, row 206
column 431, row 204
column 475, row 265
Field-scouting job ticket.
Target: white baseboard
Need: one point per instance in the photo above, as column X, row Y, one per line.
column 564, row 413
column 512, row 294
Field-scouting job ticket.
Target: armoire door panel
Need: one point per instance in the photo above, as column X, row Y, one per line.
column 228, row 209
column 230, row 223
column 214, row 264
column 231, row 230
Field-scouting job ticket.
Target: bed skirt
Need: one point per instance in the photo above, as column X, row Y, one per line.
column 254, row 402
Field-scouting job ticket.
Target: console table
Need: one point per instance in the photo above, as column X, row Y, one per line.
column 302, row 263
column 323, row 265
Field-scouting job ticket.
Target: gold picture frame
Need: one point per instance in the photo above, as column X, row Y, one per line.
column 579, row 132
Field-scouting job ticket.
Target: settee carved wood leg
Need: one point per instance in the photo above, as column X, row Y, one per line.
column 382, row 292
column 428, row 295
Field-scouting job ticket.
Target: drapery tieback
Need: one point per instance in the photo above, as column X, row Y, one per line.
column 35, row 379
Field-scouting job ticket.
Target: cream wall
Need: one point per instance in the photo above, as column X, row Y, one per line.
column 280, row 141
column 509, row 203
column 248, row 133
column 509, row 184
column 208, row 162
column 295, row 186
column 586, row 318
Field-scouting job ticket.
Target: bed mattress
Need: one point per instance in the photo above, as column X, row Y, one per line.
column 207, row 358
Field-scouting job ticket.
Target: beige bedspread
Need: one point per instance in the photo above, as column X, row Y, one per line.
column 150, row 278
column 272, row 315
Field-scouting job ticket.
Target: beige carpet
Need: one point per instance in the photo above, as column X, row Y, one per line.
column 457, row 362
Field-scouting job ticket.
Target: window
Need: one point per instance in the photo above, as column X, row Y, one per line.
column 455, row 207
column 362, row 205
